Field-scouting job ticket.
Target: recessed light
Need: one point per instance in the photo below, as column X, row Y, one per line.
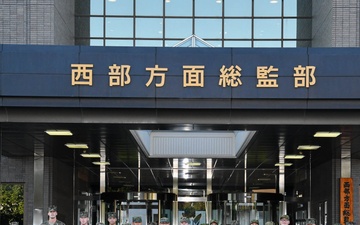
column 59, row 132
column 327, row 134
column 283, row 164
column 294, row 156
column 193, row 163
column 74, row 145
column 91, row 155
column 101, row 163
column 308, row 147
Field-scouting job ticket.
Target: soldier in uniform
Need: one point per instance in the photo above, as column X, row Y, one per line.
column 284, row 220
column 112, row 218
column 184, row 221
column 254, row 222
column 52, row 213
column 136, row 220
column 214, row 222
column 310, row 221
column 84, row 218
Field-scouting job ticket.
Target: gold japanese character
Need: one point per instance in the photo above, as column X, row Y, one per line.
column 230, row 76
column 193, row 76
column 119, row 75
column 304, row 76
column 81, row 74
column 156, row 72
column 267, row 76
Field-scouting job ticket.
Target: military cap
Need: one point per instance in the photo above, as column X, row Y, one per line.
column 184, row 220
column 213, row 221
column 286, row 217
column 137, row 219
column 84, row 214
column 269, row 223
column 254, row 221
column 164, row 220
column 112, row 215
column 310, row 221
column 52, row 208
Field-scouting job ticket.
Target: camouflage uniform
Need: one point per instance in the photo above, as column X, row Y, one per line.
column 57, row 222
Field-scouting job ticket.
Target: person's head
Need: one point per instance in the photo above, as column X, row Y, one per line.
column 84, row 218
column 136, row 220
column 284, row 220
column 254, row 222
column 214, row 222
column 164, row 220
column 52, row 212
column 184, row 221
column 310, row 221
column 112, row 218
column 269, row 223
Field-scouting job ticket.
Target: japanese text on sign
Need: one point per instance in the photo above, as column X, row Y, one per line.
column 346, row 200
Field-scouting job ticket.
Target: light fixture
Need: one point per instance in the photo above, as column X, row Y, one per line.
column 294, row 156
column 112, row 0
column 193, row 163
column 283, row 164
column 273, row 1
column 90, row 155
column 167, row 1
column 59, row 132
column 308, row 147
column 74, row 145
column 218, row 1
column 328, row 134
column 101, row 163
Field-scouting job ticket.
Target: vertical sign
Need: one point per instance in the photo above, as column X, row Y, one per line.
column 346, row 200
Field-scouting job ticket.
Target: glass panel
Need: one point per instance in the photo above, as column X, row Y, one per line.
column 178, row 7
column 178, row 28
column 96, row 27
column 267, row 44
column 237, row 8
column 237, row 28
column 123, row 7
column 148, row 43
column 290, row 7
column 97, row 7
column 149, row 28
column 267, row 28
column 119, row 27
column 289, row 28
column 96, row 42
column 119, row 42
column 149, row 8
column 208, row 28
column 171, row 43
column 236, row 44
column 208, row 8
column 267, row 8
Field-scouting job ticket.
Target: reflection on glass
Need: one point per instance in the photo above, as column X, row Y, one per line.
column 121, row 8
column 178, row 28
column 237, row 8
column 208, row 8
column 96, row 42
column 289, row 44
column 149, row 28
column 119, row 27
column 290, row 8
column 267, row 28
column 149, row 8
column 290, row 28
column 237, row 28
column 119, row 43
column 208, row 28
column 237, row 44
column 96, row 27
column 267, row 8
column 178, row 8
column 96, row 7
column 148, row 43
column 267, row 44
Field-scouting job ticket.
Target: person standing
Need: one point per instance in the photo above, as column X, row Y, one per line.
column 254, row 222
column 84, row 218
column 136, row 220
column 112, row 218
column 214, row 222
column 284, row 220
column 52, row 213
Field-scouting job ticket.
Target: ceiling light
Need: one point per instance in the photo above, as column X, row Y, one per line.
column 73, row 145
column 218, row 1
column 167, row 1
column 273, row 1
column 327, row 134
column 59, row 132
column 308, row 147
column 294, row 156
column 112, row 0
column 283, row 164
column 193, row 163
column 91, row 155
column 101, row 163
